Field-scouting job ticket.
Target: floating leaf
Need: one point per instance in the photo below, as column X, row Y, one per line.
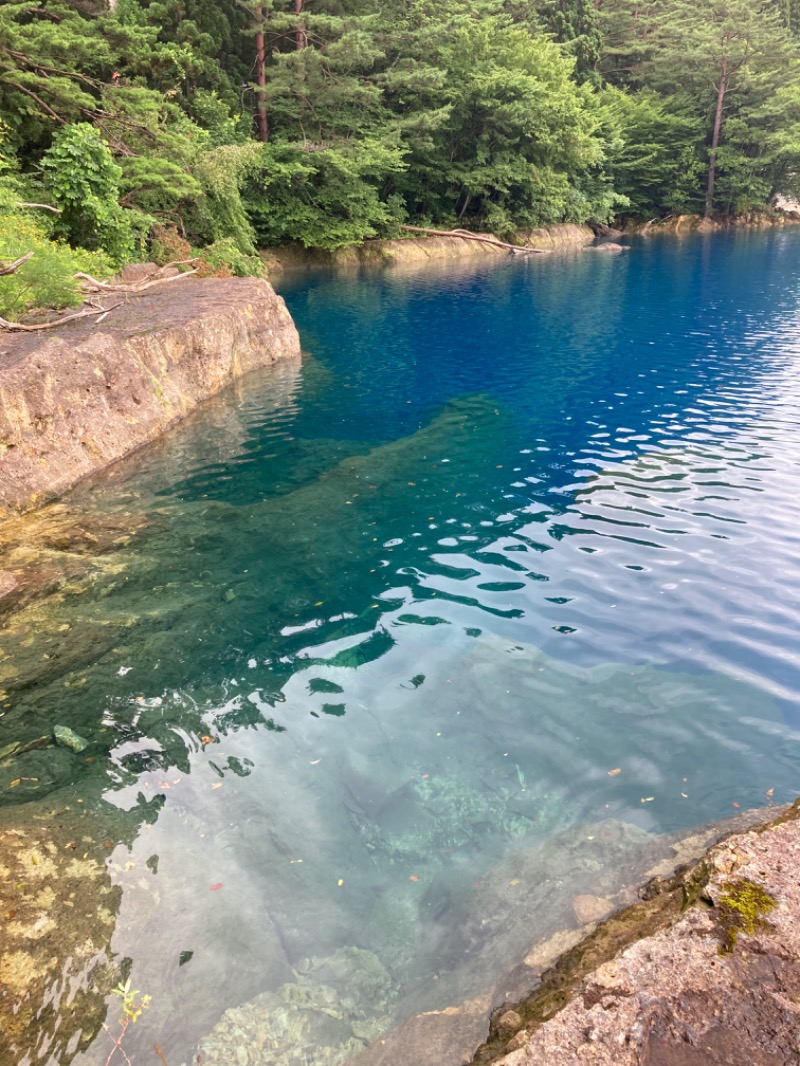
column 340, row 882
column 217, row 784
column 647, row 799
column 615, row 771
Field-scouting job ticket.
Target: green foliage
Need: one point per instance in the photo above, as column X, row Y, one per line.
column 655, row 159
column 741, row 910
column 83, row 181
column 47, row 279
column 133, row 1002
column 323, row 196
column 489, row 114
column 222, row 173
column 576, row 24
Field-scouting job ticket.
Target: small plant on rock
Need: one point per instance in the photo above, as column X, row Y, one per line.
column 133, row 1003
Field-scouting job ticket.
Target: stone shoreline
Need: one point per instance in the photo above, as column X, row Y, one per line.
column 716, row 987
column 75, row 400
column 411, row 251
column 661, row 982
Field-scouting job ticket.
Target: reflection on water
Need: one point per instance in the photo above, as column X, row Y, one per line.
column 384, row 660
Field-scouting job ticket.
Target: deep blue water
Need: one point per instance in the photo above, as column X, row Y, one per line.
column 513, row 525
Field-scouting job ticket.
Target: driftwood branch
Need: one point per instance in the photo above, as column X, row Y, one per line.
column 514, row 249
column 93, row 285
column 10, row 268
column 17, row 327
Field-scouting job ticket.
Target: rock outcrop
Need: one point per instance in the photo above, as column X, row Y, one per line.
column 74, row 400
column 719, row 986
column 413, row 250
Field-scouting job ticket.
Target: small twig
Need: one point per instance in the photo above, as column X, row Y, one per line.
column 18, row 327
column 160, row 1054
column 10, row 268
column 118, row 1042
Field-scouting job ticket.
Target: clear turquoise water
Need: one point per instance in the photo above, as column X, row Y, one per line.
column 511, row 526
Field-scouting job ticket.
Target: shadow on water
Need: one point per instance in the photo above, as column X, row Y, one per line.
column 382, row 661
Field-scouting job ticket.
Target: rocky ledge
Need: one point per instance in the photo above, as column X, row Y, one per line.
column 74, row 400
column 719, row 986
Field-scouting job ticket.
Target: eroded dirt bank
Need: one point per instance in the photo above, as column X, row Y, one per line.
column 76, row 399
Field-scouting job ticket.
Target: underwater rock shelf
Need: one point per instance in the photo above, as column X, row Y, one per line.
column 703, row 971
column 75, row 400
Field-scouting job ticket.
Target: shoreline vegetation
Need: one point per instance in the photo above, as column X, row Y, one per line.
column 201, row 132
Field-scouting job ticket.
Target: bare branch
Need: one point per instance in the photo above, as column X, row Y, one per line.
column 10, row 268
column 45, row 107
column 18, row 327
column 93, row 285
column 44, row 207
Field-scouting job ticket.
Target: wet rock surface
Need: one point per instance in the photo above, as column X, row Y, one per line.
column 688, row 994
column 74, row 400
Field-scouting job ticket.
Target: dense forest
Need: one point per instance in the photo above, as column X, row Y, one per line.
column 153, row 127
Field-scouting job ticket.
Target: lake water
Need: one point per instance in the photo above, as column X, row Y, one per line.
column 512, row 555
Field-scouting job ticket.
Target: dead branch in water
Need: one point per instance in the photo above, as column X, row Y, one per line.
column 514, row 249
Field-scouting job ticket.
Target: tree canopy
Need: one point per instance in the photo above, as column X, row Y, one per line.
column 255, row 122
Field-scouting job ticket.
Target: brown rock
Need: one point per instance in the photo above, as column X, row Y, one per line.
column 518, row 1041
column 508, row 1022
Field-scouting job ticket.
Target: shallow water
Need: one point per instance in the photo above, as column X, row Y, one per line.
column 511, row 527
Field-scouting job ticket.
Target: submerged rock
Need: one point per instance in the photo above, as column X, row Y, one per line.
column 68, row 738
column 59, row 911
column 333, row 1010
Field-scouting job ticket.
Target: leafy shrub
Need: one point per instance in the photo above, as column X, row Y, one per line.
column 46, row 280
column 84, row 180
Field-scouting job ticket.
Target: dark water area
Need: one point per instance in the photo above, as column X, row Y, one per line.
column 512, row 554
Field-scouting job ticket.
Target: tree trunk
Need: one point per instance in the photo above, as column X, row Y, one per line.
column 262, row 125
column 712, row 155
column 300, row 38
